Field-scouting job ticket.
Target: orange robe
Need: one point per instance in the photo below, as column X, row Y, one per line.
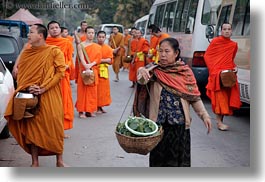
column 104, row 97
column 126, row 44
column 220, row 56
column 114, row 42
column 152, row 49
column 139, row 49
column 67, row 48
column 159, row 39
column 72, row 67
column 87, row 94
column 43, row 66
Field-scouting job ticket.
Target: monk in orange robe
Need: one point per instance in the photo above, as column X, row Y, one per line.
column 41, row 68
column 104, row 97
column 132, row 69
column 127, row 39
column 152, row 50
column 65, row 34
column 116, row 41
column 87, row 94
column 67, row 48
column 156, row 32
column 220, row 56
column 139, row 50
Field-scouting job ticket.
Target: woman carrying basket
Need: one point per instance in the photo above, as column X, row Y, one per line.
column 172, row 88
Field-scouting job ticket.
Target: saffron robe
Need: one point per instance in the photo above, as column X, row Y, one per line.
column 67, row 48
column 87, row 94
column 127, row 40
column 114, row 42
column 152, row 49
column 43, row 66
column 82, row 39
column 139, row 49
column 220, row 56
column 104, row 96
column 72, row 67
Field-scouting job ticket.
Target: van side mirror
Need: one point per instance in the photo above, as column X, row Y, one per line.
column 209, row 32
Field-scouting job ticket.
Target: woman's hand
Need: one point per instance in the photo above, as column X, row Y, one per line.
column 144, row 73
column 208, row 124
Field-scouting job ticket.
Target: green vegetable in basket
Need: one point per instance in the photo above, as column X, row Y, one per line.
column 140, row 124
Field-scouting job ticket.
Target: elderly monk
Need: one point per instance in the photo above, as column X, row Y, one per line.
column 116, row 41
column 220, row 56
column 139, row 50
column 104, row 97
column 41, row 68
column 87, row 94
column 67, row 48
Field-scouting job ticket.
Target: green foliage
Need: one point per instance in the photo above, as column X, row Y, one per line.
column 124, row 12
column 137, row 124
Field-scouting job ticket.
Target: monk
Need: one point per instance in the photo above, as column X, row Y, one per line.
column 104, row 96
column 116, row 41
column 127, row 38
column 220, row 56
column 156, row 32
column 139, row 50
column 65, row 34
column 87, row 94
column 79, row 37
column 132, row 69
column 67, row 48
column 42, row 134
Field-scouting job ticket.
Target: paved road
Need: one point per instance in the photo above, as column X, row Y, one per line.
column 93, row 142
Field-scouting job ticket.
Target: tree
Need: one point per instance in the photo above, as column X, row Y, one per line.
column 132, row 10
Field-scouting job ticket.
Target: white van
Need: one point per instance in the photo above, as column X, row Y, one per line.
column 108, row 29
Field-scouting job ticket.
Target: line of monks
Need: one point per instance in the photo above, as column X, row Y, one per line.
column 56, row 51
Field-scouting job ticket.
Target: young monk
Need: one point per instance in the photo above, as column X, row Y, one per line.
column 104, row 97
column 86, row 103
column 67, row 48
column 139, row 50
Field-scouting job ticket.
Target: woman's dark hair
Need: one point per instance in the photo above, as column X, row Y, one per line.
column 173, row 43
column 42, row 30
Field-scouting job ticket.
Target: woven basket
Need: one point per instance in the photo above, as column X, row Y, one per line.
column 139, row 145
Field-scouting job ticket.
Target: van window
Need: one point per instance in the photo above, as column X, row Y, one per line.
column 108, row 29
column 6, row 46
column 185, row 16
column 241, row 22
column 169, row 16
column 224, row 17
column 159, row 15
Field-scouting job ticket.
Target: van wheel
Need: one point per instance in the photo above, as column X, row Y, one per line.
column 5, row 133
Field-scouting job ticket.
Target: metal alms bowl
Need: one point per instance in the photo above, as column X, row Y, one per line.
column 31, row 100
column 24, row 95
